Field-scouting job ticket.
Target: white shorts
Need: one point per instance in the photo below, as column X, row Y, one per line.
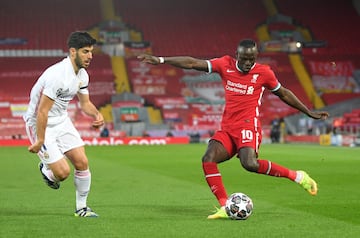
column 58, row 140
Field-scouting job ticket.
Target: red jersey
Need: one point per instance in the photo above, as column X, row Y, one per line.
column 243, row 92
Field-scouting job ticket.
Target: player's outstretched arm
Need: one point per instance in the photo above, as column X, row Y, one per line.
column 185, row 62
column 289, row 98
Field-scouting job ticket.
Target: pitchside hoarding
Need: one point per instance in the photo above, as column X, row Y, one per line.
column 113, row 141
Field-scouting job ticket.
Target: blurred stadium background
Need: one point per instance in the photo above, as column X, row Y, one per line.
column 311, row 45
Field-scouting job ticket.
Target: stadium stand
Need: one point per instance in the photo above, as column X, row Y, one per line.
column 18, row 75
column 336, row 25
column 332, row 66
column 201, row 28
column 44, row 24
column 350, row 122
column 205, row 37
column 333, row 76
column 328, row 20
column 32, row 37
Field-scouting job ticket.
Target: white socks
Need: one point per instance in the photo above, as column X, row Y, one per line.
column 299, row 176
column 82, row 181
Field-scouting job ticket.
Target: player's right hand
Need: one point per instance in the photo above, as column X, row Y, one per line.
column 150, row 59
column 98, row 122
column 35, row 148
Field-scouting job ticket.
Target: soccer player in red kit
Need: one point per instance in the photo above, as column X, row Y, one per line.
column 244, row 83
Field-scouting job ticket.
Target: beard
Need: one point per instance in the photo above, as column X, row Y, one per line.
column 79, row 63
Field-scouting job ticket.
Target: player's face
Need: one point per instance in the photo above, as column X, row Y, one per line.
column 246, row 58
column 83, row 57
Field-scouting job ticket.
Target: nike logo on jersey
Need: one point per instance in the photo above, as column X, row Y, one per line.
column 230, row 71
column 246, row 141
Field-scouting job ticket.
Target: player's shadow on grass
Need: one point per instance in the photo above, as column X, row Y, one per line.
column 9, row 212
column 154, row 211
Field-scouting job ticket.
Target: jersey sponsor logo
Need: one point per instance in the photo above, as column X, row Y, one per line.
column 230, row 71
column 239, row 88
column 58, row 92
column 63, row 95
column 250, row 90
column 61, row 92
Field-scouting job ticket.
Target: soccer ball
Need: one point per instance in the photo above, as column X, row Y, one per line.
column 239, row 206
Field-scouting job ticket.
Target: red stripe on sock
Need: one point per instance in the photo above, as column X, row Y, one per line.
column 82, row 173
column 214, row 180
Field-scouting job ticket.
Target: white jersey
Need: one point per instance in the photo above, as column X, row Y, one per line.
column 60, row 83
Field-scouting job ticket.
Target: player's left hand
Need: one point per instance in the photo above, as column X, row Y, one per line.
column 35, row 148
column 99, row 121
column 319, row 115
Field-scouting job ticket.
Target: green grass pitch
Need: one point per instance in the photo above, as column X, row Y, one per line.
column 160, row 191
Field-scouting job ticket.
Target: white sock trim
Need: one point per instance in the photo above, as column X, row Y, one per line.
column 212, row 175
column 299, row 176
column 269, row 167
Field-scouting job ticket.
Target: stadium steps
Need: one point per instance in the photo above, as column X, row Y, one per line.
column 107, row 10
column 106, row 111
column 263, row 33
column 270, row 7
column 121, row 78
column 305, row 32
column 305, row 80
column 154, row 115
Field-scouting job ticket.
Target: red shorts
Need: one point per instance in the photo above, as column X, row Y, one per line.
column 233, row 143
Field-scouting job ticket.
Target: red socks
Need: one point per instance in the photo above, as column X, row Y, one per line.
column 214, row 180
column 269, row 168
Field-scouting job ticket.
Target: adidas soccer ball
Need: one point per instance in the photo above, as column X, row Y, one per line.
column 239, row 206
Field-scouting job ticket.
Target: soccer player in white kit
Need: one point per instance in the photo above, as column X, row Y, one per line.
column 50, row 130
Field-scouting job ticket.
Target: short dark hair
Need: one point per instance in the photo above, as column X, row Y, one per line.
column 80, row 39
column 247, row 43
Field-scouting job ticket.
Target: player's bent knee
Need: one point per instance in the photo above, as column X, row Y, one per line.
column 209, row 158
column 250, row 165
column 63, row 174
column 206, row 158
column 81, row 164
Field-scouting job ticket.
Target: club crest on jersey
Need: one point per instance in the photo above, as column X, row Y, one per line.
column 46, row 155
column 254, row 78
